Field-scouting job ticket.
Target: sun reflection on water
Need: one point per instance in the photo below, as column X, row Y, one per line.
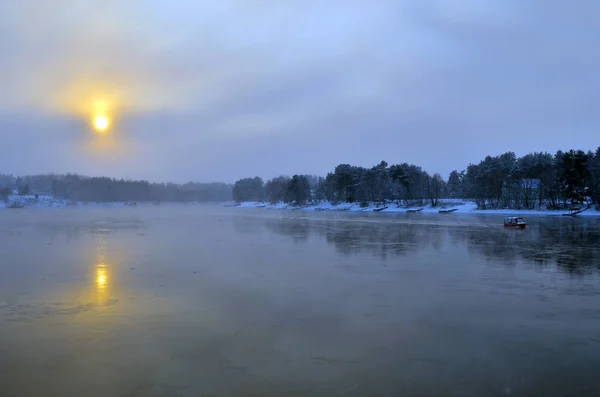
column 101, row 274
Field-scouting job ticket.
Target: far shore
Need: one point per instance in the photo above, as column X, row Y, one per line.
column 445, row 206
column 47, row 201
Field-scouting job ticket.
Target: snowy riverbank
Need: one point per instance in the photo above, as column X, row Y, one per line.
column 28, row 201
column 445, row 206
column 45, row 201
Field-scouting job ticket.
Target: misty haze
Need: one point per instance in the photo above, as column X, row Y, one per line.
column 291, row 198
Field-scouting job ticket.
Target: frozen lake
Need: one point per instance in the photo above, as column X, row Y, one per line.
column 177, row 300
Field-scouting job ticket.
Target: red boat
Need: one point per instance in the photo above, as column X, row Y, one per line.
column 515, row 221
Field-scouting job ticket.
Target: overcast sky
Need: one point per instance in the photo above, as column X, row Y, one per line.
column 217, row 90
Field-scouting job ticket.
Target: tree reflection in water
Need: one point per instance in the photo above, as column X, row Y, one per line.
column 361, row 236
column 572, row 245
column 298, row 229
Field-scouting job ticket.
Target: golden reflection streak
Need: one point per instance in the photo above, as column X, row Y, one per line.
column 101, row 275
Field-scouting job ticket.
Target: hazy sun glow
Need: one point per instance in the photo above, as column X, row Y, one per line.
column 101, row 123
column 101, row 275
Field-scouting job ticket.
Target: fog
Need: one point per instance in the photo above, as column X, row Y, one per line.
column 205, row 92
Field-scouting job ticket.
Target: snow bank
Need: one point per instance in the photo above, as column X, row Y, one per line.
column 458, row 207
column 43, row 201
column 252, row 204
column 28, row 201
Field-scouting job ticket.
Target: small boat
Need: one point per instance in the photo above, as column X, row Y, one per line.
column 515, row 221
column 414, row 210
column 448, row 211
column 379, row 209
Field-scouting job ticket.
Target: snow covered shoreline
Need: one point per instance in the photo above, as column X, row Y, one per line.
column 45, row 201
column 446, row 206
column 28, row 201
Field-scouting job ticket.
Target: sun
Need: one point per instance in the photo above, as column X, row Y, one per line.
column 101, row 123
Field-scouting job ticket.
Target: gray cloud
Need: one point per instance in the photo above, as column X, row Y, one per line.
column 220, row 90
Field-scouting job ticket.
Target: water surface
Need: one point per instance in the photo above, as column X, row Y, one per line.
column 210, row 301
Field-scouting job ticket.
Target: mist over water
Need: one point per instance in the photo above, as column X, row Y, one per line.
column 181, row 300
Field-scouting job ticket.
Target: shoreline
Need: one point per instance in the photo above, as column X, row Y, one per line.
column 446, row 207
column 43, row 201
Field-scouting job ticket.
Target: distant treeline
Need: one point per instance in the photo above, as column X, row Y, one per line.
column 103, row 189
column 506, row 181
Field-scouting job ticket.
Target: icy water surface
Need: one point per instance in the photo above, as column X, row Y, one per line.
column 211, row 301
